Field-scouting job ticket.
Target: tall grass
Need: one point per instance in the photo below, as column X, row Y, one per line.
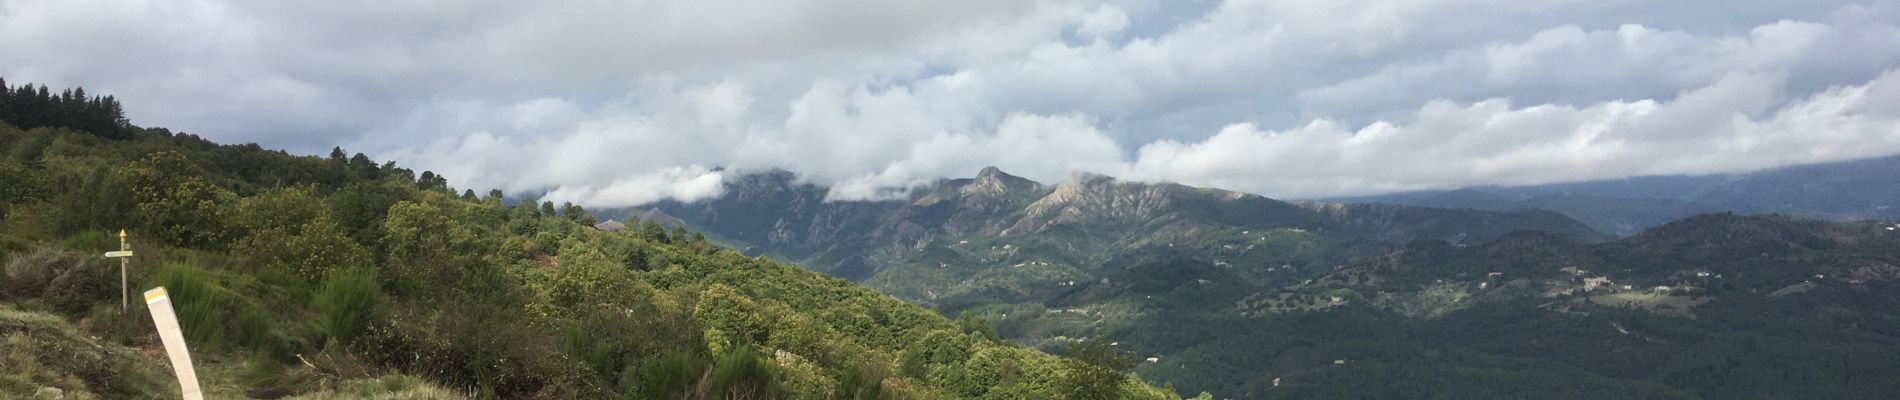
column 199, row 302
column 212, row 315
column 91, row 240
column 346, row 303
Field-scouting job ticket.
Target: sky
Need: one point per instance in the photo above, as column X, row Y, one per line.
column 620, row 103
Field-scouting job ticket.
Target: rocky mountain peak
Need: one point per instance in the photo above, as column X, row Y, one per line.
column 1087, row 197
column 993, row 182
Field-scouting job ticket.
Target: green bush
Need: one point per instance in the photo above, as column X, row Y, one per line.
column 866, row 381
column 27, row 273
column 346, row 304
column 210, row 313
column 671, row 376
column 744, row 373
column 82, row 284
column 254, row 327
column 68, row 283
column 92, row 240
column 265, row 378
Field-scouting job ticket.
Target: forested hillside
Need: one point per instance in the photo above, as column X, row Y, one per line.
column 339, row 277
column 1715, row 307
column 1247, row 297
column 998, row 238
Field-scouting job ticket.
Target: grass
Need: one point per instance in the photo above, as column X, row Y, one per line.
column 1433, row 301
column 43, row 353
column 1661, row 303
column 392, row 387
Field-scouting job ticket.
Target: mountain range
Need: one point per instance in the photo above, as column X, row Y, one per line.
column 1250, row 297
column 1002, row 238
column 1859, row 189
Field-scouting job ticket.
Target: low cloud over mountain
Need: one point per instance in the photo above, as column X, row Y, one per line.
column 622, row 103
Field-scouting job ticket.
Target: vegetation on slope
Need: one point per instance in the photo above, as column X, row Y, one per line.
column 327, row 276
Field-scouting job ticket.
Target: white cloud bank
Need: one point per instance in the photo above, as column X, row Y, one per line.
column 1720, row 128
column 621, row 103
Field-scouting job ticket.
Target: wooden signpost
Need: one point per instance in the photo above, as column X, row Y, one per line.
column 160, row 304
column 124, row 255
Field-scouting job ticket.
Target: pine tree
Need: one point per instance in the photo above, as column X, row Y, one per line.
column 6, row 101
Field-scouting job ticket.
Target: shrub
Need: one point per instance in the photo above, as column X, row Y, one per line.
column 265, row 378
column 744, row 374
column 254, row 327
column 865, row 381
column 92, row 240
column 27, row 273
column 671, row 375
column 346, row 304
column 209, row 312
column 82, row 284
column 69, row 283
column 937, row 348
column 466, row 347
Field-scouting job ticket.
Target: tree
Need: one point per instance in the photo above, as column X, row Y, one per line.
column 1094, row 370
column 970, row 323
column 363, row 168
column 937, row 348
column 175, row 200
column 652, row 230
column 31, row 107
column 310, row 251
column 95, row 198
column 732, row 315
column 575, row 213
column 19, row 185
column 283, row 208
column 425, row 246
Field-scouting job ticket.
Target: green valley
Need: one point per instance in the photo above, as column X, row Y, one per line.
column 1246, row 297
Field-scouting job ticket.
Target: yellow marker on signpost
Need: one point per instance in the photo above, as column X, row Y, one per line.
column 160, row 304
column 124, row 255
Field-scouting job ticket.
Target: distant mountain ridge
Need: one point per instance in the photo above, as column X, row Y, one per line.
column 997, row 237
column 1233, row 292
column 1859, row 189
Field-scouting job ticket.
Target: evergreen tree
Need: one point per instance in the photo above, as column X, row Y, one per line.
column 363, row 168
column 28, row 106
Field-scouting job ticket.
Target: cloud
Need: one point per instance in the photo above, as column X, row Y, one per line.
column 1037, row 147
column 1723, row 127
column 679, row 183
column 1570, row 65
column 624, row 102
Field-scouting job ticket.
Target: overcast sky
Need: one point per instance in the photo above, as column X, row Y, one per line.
column 613, row 103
